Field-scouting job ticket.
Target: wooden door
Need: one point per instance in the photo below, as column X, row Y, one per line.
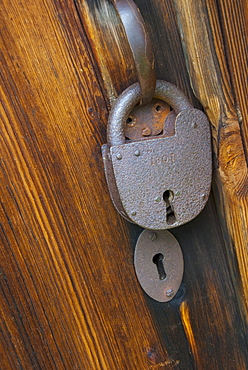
column 69, row 295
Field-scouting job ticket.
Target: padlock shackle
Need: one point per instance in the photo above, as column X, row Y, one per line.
column 131, row 97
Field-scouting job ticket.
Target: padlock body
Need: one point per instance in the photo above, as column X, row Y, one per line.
column 147, row 171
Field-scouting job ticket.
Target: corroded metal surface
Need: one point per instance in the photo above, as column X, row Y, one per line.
column 147, row 120
column 131, row 97
column 162, row 182
column 159, row 265
column 179, row 164
column 168, row 130
column 109, row 173
column 140, row 45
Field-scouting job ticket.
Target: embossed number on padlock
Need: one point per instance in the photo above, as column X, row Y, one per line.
column 159, row 182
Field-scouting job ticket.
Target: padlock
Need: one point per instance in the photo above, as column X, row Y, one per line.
column 159, row 182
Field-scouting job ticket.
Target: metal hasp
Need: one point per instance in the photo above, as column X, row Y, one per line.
column 141, row 46
column 159, row 265
column 160, row 182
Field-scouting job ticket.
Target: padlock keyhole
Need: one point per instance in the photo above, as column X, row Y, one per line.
column 168, row 197
column 158, row 261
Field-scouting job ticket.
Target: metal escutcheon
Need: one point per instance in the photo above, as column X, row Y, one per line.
column 159, row 264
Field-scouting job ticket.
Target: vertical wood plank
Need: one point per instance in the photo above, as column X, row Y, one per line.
column 214, row 275
column 69, row 295
column 66, row 300
column 233, row 17
column 210, row 78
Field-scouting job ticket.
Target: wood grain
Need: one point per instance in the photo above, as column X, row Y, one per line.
column 233, row 17
column 66, row 300
column 210, row 79
column 69, row 296
column 206, row 309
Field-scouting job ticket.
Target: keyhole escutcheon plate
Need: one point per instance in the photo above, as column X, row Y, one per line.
column 159, row 264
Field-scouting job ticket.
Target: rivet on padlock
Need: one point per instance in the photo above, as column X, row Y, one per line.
column 168, row 183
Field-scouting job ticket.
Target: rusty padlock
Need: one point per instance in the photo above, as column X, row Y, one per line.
column 159, row 182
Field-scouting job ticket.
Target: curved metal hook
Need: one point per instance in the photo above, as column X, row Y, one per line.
column 140, row 45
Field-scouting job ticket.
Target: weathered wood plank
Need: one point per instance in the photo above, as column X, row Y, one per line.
column 216, row 272
column 233, row 17
column 69, row 295
column 210, row 79
column 170, row 53
column 206, row 309
column 66, row 300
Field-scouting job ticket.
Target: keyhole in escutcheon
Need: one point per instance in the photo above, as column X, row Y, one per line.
column 158, row 261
